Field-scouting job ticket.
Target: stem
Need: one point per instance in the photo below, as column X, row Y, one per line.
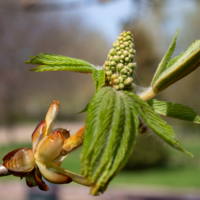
column 4, row 171
column 75, row 177
column 148, row 94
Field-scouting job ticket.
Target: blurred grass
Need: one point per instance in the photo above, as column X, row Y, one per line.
column 181, row 170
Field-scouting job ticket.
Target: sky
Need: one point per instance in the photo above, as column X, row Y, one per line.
column 107, row 18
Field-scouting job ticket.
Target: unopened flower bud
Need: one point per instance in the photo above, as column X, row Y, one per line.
column 108, row 73
column 107, row 63
column 120, row 66
column 123, row 71
column 122, row 46
column 113, row 63
column 107, row 68
column 116, row 87
column 115, row 81
column 116, row 58
column 128, row 81
column 121, row 86
column 125, row 53
column 120, row 79
column 114, row 76
column 126, row 59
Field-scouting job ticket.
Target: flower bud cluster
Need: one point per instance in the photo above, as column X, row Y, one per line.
column 120, row 65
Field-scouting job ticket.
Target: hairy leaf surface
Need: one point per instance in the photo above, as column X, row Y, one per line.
column 99, row 78
column 169, row 72
column 51, row 62
column 158, row 125
column 109, row 136
column 174, row 110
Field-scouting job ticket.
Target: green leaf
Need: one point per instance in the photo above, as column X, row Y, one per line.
column 174, row 110
column 51, row 62
column 154, row 121
column 111, row 127
column 99, row 78
column 165, row 60
column 84, row 109
column 177, row 68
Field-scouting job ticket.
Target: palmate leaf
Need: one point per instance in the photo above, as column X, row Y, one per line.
column 177, row 68
column 158, row 125
column 51, row 62
column 109, row 136
column 174, row 110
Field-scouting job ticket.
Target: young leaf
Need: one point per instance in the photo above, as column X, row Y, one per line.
column 84, row 109
column 165, row 60
column 99, row 78
column 174, row 110
column 158, row 125
column 51, row 62
column 109, row 137
column 178, row 68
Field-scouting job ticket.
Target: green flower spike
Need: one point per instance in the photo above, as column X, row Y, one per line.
column 120, row 67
